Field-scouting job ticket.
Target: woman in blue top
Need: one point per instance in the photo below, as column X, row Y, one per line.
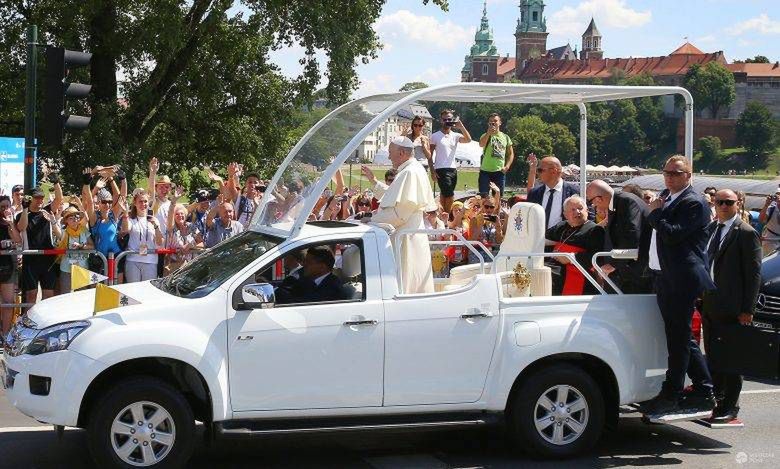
column 104, row 224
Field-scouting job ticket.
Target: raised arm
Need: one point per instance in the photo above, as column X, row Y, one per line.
column 154, row 166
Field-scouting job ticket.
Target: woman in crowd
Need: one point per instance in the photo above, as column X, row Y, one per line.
column 422, row 144
column 579, row 236
column 9, row 238
column 104, row 222
column 145, row 236
column 459, row 221
column 179, row 234
column 486, row 223
column 74, row 237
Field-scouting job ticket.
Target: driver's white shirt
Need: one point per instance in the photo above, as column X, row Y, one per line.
column 318, row 280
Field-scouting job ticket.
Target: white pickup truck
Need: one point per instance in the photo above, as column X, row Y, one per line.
column 209, row 344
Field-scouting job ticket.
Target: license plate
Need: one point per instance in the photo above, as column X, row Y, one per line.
column 764, row 325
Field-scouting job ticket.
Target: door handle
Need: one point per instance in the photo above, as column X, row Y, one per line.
column 360, row 321
column 474, row 315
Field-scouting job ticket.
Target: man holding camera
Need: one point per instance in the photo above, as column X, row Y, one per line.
column 497, row 156
column 770, row 217
column 444, row 144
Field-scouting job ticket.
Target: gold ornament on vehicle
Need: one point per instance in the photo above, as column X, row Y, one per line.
column 521, row 277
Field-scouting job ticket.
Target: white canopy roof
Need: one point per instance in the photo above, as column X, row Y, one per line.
column 311, row 164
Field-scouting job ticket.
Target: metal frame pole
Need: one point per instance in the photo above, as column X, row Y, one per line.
column 29, row 116
column 583, row 147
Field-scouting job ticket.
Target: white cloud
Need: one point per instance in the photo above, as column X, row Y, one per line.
column 572, row 21
column 380, row 83
column 437, row 75
column 761, row 24
column 422, row 32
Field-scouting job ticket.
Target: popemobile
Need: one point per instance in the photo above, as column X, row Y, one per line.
column 210, row 343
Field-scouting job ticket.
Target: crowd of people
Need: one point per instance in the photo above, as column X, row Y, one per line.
column 106, row 218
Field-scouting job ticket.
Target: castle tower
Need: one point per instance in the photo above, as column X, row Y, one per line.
column 591, row 43
column 482, row 62
column 531, row 32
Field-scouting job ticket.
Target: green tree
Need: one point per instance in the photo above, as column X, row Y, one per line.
column 198, row 83
column 564, row 145
column 712, row 86
column 529, row 134
column 710, row 148
column 414, row 85
column 759, row 59
column 756, row 129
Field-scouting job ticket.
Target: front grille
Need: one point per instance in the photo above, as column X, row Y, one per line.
column 768, row 304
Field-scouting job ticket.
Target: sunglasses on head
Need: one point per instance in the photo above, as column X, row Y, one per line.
column 726, row 202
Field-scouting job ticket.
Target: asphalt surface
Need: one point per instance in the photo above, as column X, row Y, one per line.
column 25, row 443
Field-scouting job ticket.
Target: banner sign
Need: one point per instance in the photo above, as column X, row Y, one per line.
column 11, row 163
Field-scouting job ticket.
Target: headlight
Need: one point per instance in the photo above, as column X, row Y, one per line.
column 54, row 338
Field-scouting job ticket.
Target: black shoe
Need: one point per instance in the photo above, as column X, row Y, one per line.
column 694, row 402
column 724, row 415
column 661, row 405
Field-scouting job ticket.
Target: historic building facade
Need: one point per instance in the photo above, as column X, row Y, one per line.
column 535, row 63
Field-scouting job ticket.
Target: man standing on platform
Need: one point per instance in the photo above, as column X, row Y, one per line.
column 678, row 260
column 444, row 144
column 403, row 206
column 734, row 253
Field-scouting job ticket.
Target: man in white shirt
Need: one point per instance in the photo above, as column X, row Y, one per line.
column 770, row 217
column 441, row 162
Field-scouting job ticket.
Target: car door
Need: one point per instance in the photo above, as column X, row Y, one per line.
column 439, row 347
column 310, row 356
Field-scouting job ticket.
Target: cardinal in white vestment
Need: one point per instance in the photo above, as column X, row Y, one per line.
column 402, row 205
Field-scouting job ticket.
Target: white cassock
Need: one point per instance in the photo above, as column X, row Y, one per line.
column 403, row 205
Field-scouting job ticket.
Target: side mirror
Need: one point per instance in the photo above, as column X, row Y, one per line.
column 257, row 295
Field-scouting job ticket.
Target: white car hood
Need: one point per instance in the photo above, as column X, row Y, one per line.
column 81, row 304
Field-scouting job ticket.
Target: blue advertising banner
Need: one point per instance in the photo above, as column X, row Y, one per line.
column 11, row 163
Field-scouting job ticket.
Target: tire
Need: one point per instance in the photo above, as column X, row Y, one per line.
column 557, row 438
column 169, row 443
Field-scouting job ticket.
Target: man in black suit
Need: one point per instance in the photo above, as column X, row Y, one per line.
column 553, row 190
column 734, row 252
column 677, row 256
column 627, row 228
column 318, row 283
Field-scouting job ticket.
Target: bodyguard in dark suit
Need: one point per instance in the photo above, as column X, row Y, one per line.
column 553, row 190
column 627, row 228
column 734, row 252
column 679, row 218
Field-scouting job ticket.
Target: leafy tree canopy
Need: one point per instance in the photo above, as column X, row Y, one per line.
column 197, row 85
column 756, row 129
column 712, row 86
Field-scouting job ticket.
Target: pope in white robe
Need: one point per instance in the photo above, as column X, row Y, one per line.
column 402, row 204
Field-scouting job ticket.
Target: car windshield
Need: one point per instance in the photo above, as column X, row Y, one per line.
column 216, row 265
column 310, row 160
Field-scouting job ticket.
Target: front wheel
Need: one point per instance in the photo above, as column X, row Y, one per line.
column 141, row 422
column 557, row 412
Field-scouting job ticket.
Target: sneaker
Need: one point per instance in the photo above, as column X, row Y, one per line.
column 661, row 405
column 724, row 415
column 697, row 402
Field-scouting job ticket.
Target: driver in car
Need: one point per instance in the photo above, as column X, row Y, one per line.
column 318, row 282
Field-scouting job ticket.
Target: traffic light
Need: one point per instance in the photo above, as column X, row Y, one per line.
column 55, row 119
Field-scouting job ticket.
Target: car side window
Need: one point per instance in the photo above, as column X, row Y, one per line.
column 317, row 273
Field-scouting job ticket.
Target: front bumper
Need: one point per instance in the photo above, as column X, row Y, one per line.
column 70, row 373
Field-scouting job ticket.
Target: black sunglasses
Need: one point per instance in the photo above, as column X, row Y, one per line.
column 726, row 202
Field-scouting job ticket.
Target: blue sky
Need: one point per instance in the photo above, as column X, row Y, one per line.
column 423, row 43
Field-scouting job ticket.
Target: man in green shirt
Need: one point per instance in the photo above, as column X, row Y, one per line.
column 497, row 156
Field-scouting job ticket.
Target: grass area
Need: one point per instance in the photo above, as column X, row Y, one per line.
column 467, row 177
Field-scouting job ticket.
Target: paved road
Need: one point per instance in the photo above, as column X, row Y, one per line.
column 26, row 444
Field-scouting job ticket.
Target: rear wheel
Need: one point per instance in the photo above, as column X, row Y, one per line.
column 141, row 422
column 557, row 412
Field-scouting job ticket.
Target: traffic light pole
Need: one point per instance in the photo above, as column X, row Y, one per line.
column 29, row 116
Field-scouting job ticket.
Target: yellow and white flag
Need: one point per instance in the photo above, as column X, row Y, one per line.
column 81, row 277
column 108, row 298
